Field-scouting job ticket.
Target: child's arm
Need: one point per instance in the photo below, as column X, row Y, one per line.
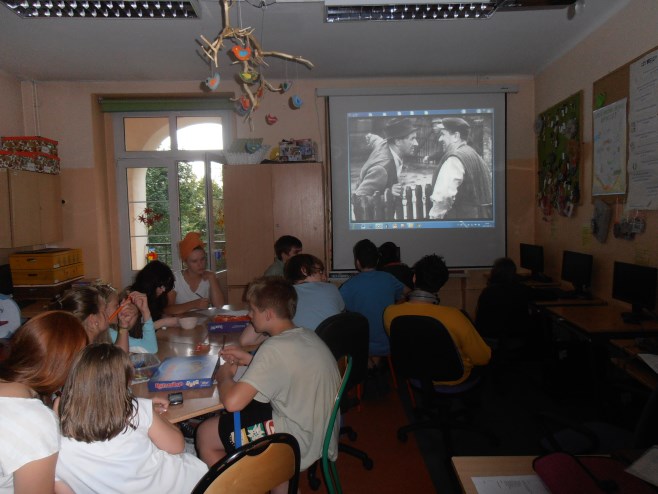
column 148, row 340
column 166, row 436
column 216, row 295
column 36, row 476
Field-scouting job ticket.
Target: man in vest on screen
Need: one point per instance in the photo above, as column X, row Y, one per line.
column 463, row 188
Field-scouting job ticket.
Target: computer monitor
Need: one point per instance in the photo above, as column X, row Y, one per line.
column 577, row 270
column 635, row 285
column 532, row 258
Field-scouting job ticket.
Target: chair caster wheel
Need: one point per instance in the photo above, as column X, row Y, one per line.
column 368, row 464
column 402, row 437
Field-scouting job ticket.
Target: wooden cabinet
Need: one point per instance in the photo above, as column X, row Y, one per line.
column 30, row 208
column 263, row 202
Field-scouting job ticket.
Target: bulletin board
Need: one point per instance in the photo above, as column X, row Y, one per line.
column 559, row 138
column 613, row 89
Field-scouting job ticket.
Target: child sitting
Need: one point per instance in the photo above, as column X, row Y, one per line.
column 113, row 442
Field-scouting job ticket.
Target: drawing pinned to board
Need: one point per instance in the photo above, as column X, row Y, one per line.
column 558, row 147
column 609, row 175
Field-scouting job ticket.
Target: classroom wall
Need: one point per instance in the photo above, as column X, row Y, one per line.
column 629, row 34
column 68, row 112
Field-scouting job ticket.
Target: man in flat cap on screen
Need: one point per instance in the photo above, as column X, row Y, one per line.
column 386, row 160
column 463, row 188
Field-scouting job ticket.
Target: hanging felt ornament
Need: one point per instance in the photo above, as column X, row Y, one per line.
column 241, row 53
column 240, row 110
column 245, row 102
column 213, row 81
column 249, row 77
column 271, row 119
column 296, row 101
column 285, row 86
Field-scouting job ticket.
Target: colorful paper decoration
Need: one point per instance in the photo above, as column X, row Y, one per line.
column 296, row 101
column 271, row 119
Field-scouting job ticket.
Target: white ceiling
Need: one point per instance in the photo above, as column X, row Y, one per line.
column 145, row 49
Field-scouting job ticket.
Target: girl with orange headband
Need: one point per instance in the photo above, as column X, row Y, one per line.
column 195, row 287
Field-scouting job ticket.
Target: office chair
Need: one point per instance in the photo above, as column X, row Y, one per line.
column 564, row 435
column 255, row 468
column 423, row 352
column 345, row 334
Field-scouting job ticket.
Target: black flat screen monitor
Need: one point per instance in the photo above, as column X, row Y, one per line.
column 532, row 258
column 635, row 285
column 577, row 270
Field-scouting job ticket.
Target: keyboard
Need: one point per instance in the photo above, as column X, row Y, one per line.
column 554, row 293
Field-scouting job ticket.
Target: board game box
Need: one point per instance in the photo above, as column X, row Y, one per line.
column 229, row 323
column 180, row 373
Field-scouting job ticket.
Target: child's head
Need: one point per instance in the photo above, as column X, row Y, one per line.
column 86, row 303
column 109, row 294
column 275, row 293
column 96, row 402
column 365, row 254
column 503, row 271
column 42, row 351
column 430, row 273
column 303, row 266
column 286, row 247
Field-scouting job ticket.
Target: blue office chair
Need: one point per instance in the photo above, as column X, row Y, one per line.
column 423, row 352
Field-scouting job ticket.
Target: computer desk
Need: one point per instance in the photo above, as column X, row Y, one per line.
column 467, row 467
column 630, row 363
column 601, row 322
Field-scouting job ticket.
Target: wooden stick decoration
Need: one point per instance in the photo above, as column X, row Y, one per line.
column 249, row 53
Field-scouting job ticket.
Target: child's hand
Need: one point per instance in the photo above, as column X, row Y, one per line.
column 236, row 355
column 128, row 316
column 202, row 303
column 139, row 299
column 160, row 404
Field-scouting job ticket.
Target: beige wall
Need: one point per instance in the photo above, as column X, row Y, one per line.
column 68, row 113
column 631, row 33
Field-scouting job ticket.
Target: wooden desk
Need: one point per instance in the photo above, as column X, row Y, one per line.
column 468, row 467
column 632, row 365
column 183, row 342
column 568, row 302
column 602, row 321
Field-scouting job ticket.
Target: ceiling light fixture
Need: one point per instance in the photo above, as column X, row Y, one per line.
column 100, row 9
column 393, row 10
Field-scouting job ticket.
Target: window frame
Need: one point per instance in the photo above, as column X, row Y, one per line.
column 168, row 160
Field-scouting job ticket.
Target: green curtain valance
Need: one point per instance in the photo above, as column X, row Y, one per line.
column 222, row 102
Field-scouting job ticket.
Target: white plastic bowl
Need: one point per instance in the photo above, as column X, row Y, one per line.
column 187, row 322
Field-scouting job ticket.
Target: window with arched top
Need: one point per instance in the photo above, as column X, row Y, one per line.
column 169, row 182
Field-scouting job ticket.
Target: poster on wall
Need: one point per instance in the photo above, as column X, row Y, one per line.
column 643, row 134
column 609, row 176
column 559, row 136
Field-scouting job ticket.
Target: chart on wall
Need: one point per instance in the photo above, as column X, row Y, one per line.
column 559, row 131
column 609, row 175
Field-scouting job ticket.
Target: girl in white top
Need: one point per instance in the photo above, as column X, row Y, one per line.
column 195, row 287
column 113, row 442
column 42, row 351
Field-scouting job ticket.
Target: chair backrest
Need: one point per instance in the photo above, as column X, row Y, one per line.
column 345, row 334
column 331, row 475
column 255, row 468
column 422, row 348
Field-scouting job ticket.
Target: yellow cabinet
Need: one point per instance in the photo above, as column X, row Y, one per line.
column 264, row 202
column 30, row 208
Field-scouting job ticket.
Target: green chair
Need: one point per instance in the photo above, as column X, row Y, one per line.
column 329, row 467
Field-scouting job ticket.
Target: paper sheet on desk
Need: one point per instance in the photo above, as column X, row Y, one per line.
column 650, row 359
column 512, row 484
column 646, row 466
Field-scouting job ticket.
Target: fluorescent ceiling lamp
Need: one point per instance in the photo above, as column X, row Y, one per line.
column 104, row 9
column 398, row 10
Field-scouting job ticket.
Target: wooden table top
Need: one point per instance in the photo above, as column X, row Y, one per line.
column 603, row 320
column 181, row 342
column 468, row 467
column 632, row 365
